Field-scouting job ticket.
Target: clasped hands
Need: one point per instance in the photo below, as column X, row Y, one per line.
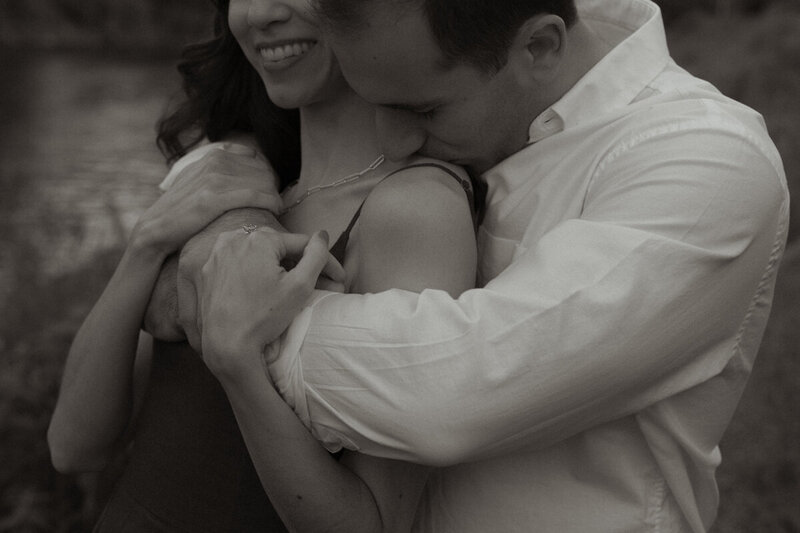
column 227, row 292
column 246, row 299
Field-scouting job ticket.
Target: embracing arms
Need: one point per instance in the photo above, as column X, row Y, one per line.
column 415, row 232
column 600, row 307
column 171, row 313
column 240, row 161
column 596, row 313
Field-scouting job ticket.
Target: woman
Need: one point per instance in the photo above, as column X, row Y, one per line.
column 189, row 469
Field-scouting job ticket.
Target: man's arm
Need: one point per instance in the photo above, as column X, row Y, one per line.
column 415, row 231
column 662, row 280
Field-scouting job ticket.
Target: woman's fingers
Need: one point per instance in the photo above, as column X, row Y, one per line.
column 229, row 177
column 245, row 301
column 334, row 271
column 315, row 257
column 326, row 284
column 309, row 256
column 180, row 214
column 246, row 293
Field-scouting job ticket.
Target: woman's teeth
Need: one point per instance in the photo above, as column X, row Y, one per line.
column 279, row 53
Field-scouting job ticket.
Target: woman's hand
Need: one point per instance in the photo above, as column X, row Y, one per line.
column 223, row 179
column 247, row 298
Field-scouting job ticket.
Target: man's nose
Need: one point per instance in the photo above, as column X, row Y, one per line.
column 399, row 133
column 262, row 13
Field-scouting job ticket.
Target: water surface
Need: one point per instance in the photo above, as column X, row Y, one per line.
column 78, row 161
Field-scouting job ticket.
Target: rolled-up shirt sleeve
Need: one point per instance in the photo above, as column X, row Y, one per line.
column 645, row 294
column 196, row 154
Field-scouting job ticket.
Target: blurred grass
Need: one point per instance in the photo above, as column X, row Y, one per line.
column 40, row 317
column 759, row 477
column 754, row 57
column 749, row 49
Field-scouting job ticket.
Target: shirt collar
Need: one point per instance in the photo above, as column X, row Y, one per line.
column 621, row 75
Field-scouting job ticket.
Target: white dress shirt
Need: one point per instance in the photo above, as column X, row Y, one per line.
column 628, row 257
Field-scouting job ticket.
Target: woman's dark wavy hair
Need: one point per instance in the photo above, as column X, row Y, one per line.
column 223, row 94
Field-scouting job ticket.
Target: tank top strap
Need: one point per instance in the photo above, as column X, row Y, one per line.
column 340, row 246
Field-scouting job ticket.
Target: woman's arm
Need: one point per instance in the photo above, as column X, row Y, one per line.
column 96, row 397
column 416, row 232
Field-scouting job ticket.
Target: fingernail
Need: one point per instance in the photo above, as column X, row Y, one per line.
column 324, row 236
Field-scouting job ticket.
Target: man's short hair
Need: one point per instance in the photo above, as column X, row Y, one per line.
column 479, row 32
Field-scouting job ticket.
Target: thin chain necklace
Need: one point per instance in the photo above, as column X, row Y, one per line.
column 347, row 179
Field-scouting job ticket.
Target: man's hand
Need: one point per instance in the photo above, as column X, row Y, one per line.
column 246, row 297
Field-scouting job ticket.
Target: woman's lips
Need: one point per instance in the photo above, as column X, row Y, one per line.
column 282, row 52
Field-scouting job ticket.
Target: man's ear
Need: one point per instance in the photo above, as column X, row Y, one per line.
column 539, row 47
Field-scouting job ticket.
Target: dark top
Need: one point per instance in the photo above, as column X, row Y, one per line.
column 189, row 469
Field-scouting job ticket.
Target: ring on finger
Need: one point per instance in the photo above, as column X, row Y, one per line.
column 249, row 228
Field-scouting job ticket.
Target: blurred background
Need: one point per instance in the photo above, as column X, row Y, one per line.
column 82, row 83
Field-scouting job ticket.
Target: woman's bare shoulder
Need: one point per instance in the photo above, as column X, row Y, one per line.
column 416, row 231
column 420, row 187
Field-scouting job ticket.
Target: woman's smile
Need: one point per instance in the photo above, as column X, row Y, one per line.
column 280, row 55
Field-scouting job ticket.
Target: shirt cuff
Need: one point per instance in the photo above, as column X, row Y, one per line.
column 197, row 154
column 185, row 161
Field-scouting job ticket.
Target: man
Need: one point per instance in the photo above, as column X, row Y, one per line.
column 634, row 221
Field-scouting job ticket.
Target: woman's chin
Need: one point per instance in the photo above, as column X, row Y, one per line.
column 288, row 99
column 284, row 100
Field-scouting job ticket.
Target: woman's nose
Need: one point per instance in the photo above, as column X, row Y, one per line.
column 399, row 133
column 262, row 13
